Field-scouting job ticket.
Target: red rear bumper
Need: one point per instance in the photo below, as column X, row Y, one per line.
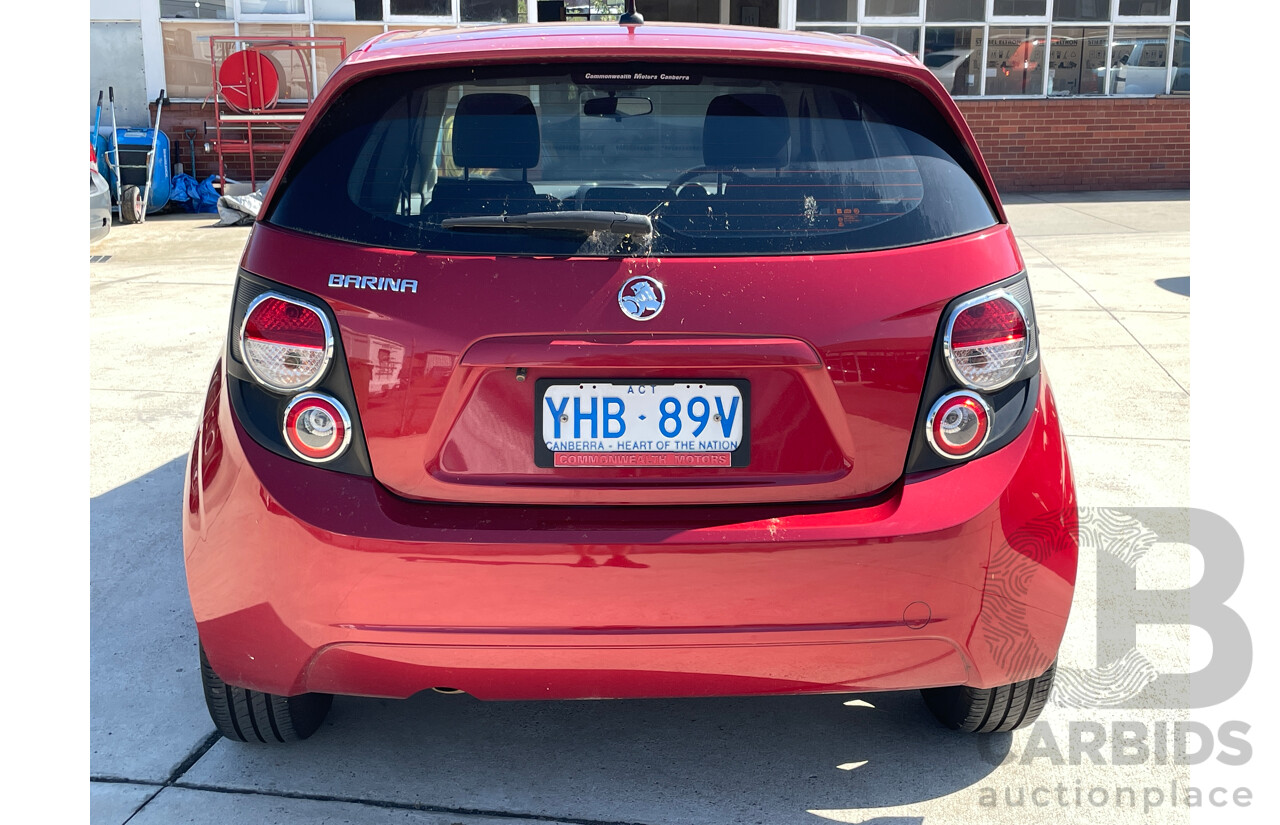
column 302, row 579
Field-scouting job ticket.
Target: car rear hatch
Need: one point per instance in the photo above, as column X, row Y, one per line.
column 768, row 340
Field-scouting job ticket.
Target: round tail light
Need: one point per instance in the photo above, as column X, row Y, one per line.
column 286, row 344
column 958, row 425
column 986, row 341
column 317, row 427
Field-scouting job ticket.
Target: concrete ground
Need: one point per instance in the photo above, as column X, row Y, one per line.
column 1110, row 273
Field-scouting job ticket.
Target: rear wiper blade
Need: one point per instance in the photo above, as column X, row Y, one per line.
column 621, row 223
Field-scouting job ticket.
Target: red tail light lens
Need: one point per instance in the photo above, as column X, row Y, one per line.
column 958, row 425
column 986, row 341
column 286, row 344
column 317, row 427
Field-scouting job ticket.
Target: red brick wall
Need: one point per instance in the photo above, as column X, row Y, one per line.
column 1044, row 145
column 1061, row 144
column 178, row 117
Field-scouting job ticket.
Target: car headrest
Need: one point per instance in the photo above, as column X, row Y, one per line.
column 746, row 131
column 495, row 131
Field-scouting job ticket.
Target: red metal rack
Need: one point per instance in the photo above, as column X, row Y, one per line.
column 260, row 125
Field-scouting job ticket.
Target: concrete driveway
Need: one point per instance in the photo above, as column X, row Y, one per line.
column 1110, row 274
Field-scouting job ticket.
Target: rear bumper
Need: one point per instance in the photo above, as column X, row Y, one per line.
column 302, row 579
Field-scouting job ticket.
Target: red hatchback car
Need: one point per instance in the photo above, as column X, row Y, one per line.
column 585, row 361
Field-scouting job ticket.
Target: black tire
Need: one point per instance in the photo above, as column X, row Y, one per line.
column 991, row 710
column 252, row 716
column 131, row 208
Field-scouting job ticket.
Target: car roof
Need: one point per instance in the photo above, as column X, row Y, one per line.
column 676, row 38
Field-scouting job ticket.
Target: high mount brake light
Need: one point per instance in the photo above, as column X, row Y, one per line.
column 317, row 427
column 986, row 342
column 286, row 344
column 959, row 424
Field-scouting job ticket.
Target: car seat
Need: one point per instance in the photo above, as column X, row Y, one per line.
column 491, row 131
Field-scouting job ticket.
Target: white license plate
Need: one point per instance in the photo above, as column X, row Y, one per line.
column 607, row 424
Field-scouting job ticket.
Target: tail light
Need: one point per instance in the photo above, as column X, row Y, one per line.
column 987, row 342
column 983, row 380
column 959, row 424
column 287, row 377
column 317, row 427
column 286, row 343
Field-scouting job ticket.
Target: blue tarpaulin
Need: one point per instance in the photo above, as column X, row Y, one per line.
column 193, row 196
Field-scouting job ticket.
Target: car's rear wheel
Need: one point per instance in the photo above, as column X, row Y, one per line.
column 991, row 710
column 252, row 716
column 131, row 208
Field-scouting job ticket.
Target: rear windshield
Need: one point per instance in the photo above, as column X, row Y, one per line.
column 723, row 160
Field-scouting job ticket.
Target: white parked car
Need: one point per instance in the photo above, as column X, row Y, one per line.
column 99, row 203
column 944, row 63
column 1139, row 67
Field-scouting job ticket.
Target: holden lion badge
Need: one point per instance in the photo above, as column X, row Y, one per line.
column 641, row 298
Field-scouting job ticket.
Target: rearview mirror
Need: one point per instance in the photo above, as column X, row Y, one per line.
column 618, row 107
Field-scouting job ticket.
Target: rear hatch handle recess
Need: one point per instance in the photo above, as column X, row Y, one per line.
column 621, row 223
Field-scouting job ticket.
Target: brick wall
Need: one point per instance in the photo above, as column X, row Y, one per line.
column 1062, row 144
column 178, row 117
column 1045, row 145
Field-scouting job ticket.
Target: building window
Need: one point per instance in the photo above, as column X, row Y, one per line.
column 1015, row 61
column 249, row 8
column 346, row 10
column 1028, row 48
column 195, row 9
column 834, row 11
column 1087, row 10
column 1139, row 61
column 420, row 8
column 1145, row 8
column 1077, row 61
column 944, row 11
column 892, row 8
column 753, row 13
column 187, row 71
column 906, row 38
column 954, row 55
column 974, row 47
column 488, row 11
column 1019, row 8
column 1181, row 82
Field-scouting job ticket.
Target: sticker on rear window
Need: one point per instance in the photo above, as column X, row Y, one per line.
column 612, row 74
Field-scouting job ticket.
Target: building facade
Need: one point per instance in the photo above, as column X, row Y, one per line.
column 1061, row 94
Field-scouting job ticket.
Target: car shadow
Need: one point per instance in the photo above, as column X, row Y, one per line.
column 782, row 755
column 1098, row 196
column 768, row 759
column 146, row 708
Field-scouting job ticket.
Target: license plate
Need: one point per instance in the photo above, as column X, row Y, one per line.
column 641, row 424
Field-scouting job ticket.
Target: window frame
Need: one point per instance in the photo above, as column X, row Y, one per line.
column 236, row 15
column 1025, row 19
column 986, row 14
column 303, row 16
column 986, row 36
column 787, row 22
column 905, row 20
column 230, row 18
column 1142, row 19
column 455, row 16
